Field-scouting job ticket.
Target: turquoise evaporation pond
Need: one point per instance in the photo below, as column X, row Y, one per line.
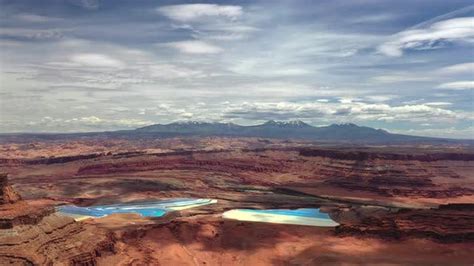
column 147, row 209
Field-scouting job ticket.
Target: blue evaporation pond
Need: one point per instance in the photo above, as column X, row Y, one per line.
column 147, row 209
column 303, row 212
column 101, row 212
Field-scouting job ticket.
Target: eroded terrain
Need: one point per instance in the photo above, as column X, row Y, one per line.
column 403, row 205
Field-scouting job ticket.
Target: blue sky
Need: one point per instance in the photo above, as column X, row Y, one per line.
column 91, row 65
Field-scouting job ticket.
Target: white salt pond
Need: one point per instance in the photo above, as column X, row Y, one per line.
column 304, row 216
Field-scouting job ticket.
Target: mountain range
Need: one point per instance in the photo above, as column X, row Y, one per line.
column 284, row 130
column 349, row 133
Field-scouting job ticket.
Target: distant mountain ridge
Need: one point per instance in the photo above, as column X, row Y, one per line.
column 345, row 133
column 285, row 130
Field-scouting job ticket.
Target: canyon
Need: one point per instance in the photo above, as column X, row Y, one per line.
column 395, row 204
column 31, row 233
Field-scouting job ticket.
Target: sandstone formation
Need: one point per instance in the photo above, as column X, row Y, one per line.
column 33, row 234
column 447, row 224
column 395, row 205
column 7, row 194
column 383, row 174
column 364, row 155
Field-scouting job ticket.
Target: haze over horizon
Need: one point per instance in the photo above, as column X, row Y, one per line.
column 95, row 65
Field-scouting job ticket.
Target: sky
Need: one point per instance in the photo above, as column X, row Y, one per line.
column 95, row 65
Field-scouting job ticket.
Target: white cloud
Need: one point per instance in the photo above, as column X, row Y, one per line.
column 457, row 85
column 169, row 71
column 450, row 132
column 209, row 22
column 271, row 71
column 85, row 123
column 33, row 18
column 94, row 120
column 377, row 18
column 194, row 12
column 110, row 67
column 195, row 47
column 401, row 77
column 252, row 55
column 277, row 90
column 380, row 98
column 89, row 120
column 467, row 68
column 431, row 37
column 345, row 110
column 87, row 4
column 346, row 100
column 96, row 60
column 50, row 34
column 438, row 103
column 222, row 31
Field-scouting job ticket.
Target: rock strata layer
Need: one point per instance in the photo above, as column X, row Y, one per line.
column 33, row 234
column 451, row 223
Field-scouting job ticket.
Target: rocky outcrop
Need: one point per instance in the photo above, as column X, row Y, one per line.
column 447, row 224
column 362, row 155
column 385, row 174
column 33, row 234
column 178, row 162
column 390, row 175
column 79, row 157
column 55, row 239
column 7, row 194
column 399, row 186
column 64, row 159
column 21, row 213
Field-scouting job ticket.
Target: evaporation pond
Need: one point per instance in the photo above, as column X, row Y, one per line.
column 304, row 216
column 147, row 209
